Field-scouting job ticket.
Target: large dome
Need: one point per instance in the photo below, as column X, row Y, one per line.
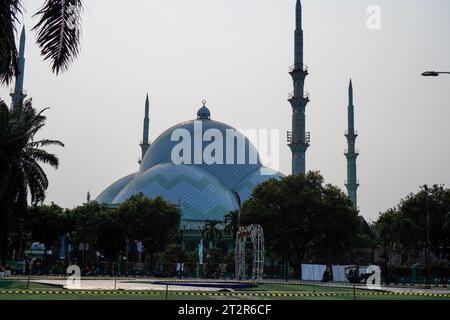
column 205, row 189
column 229, row 174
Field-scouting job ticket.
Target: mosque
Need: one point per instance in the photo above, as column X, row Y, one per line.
column 210, row 191
column 204, row 191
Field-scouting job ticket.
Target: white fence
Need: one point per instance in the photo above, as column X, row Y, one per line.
column 314, row 272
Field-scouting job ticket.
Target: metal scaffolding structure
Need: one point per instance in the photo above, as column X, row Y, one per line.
column 255, row 234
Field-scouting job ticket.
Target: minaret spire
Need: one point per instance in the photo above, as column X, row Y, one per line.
column 145, row 141
column 298, row 138
column 298, row 15
column 350, row 93
column 351, row 154
column 18, row 95
column 298, row 34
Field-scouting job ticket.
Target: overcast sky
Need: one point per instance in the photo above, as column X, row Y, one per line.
column 235, row 54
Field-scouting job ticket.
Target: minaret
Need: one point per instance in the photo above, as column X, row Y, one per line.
column 352, row 154
column 18, row 95
column 145, row 143
column 298, row 138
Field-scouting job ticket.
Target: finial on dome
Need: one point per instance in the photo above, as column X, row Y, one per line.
column 203, row 112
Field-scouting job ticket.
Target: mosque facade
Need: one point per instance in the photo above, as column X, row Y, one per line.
column 208, row 191
column 203, row 190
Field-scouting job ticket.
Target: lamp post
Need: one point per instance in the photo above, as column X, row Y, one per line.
column 386, row 266
column 181, row 239
column 285, row 266
column 181, row 252
column 434, row 73
column 427, row 245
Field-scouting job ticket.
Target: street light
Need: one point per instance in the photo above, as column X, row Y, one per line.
column 434, row 73
column 181, row 238
column 427, row 247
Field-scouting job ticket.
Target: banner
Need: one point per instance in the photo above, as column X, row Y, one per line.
column 200, row 252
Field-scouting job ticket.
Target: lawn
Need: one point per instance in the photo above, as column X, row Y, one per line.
column 262, row 292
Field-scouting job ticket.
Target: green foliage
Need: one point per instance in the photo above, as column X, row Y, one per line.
column 404, row 226
column 300, row 215
column 155, row 222
column 171, row 255
column 97, row 225
column 48, row 223
column 232, row 223
column 211, row 232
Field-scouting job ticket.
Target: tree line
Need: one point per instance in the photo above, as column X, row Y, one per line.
column 154, row 222
column 402, row 230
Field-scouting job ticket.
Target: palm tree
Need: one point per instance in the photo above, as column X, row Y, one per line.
column 232, row 223
column 20, row 154
column 58, row 34
column 211, row 232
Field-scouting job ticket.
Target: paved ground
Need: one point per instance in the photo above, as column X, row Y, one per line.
column 142, row 289
column 132, row 284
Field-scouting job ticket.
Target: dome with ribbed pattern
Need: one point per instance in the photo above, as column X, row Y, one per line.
column 204, row 191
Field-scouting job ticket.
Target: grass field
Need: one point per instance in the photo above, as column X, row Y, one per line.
column 17, row 290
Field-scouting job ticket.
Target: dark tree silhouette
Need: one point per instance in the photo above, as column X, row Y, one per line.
column 20, row 156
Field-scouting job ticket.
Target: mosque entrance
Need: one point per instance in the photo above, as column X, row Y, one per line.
column 251, row 234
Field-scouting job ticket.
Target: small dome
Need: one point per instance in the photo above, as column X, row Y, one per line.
column 113, row 190
column 203, row 112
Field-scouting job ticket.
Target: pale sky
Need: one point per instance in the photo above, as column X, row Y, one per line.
column 235, row 54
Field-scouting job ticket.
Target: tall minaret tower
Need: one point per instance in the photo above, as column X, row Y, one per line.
column 352, row 183
column 298, row 138
column 18, row 95
column 145, row 142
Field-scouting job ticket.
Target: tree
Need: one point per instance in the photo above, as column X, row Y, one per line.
column 97, row 225
column 300, row 215
column 155, row 222
column 58, row 34
column 211, row 232
column 110, row 234
column 404, row 226
column 232, row 223
column 20, row 154
column 47, row 224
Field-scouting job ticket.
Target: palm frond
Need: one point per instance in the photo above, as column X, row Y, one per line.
column 9, row 12
column 4, row 116
column 58, row 32
column 40, row 155
column 46, row 143
column 35, row 179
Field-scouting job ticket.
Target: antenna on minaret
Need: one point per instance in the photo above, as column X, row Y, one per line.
column 298, row 139
column 18, row 94
column 145, row 141
column 351, row 153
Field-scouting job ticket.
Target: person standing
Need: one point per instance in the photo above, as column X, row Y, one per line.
column 26, row 266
